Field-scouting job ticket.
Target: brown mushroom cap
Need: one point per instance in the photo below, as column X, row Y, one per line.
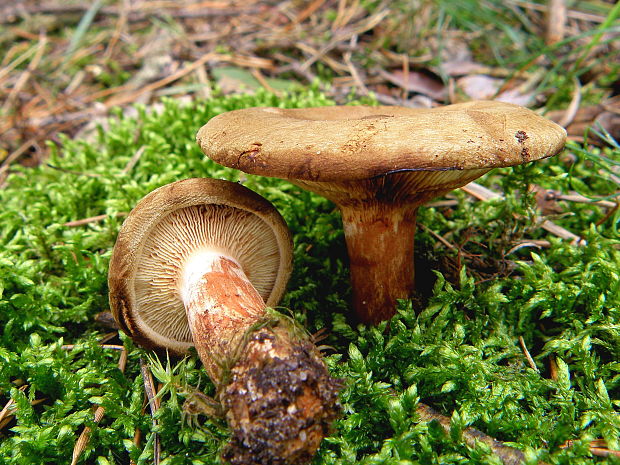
column 167, row 229
column 347, row 143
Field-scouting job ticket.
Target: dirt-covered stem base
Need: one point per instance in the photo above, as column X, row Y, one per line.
column 280, row 400
column 276, row 391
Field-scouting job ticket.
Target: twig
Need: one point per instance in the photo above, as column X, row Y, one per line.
column 438, row 237
column 131, row 96
column 133, row 160
column 529, row 358
column 153, row 400
column 92, row 219
column 355, row 74
column 508, row 455
column 561, row 232
column 255, row 72
column 18, row 61
column 597, row 447
column 305, row 14
column 120, row 25
column 483, row 193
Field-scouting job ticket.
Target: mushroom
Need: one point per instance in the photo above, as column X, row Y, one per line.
column 196, row 263
column 378, row 165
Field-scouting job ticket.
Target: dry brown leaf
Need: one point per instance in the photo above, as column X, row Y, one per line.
column 417, row 81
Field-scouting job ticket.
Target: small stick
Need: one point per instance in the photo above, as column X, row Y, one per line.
column 508, row 455
column 120, row 25
column 4, row 167
column 137, row 436
column 134, row 160
column 559, row 231
column 92, row 219
column 131, row 96
column 442, row 203
column 529, row 358
column 151, row 393
column 255, row 72
column 103, row 346
column 573, row 14
column 354, row 73
column 203, row 79
column 18, row 61
column 438, row 237
column 597, row 447
column 483, row 193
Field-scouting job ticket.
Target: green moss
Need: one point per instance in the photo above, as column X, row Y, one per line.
column 457, row 350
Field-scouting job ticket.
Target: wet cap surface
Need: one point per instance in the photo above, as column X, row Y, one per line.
column 358, row 142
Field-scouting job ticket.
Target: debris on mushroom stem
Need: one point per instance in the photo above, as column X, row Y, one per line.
column 280, row 401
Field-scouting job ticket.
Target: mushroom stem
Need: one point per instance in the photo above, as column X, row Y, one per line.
column 277, row 393
column 221, row 304
column 380, row 245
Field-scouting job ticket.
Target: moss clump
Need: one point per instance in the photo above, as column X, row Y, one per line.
column 456, row 350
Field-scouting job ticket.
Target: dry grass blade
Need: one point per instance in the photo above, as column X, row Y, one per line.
column 25, row 76
column 578, row 198
column 528, row 243
column 306, row 13
column 438, row 237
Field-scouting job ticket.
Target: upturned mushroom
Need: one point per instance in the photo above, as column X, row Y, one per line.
column 196, row 263
column 378, row 165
